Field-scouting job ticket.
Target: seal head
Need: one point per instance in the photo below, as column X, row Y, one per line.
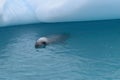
column 41, row 42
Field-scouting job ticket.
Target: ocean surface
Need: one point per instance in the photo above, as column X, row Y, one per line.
column 92, row 52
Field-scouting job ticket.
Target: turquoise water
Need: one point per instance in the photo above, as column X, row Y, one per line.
column 91, row 53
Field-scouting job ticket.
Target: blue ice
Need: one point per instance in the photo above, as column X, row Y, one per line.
column 14, row 12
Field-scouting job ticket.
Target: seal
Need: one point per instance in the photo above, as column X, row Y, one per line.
column 42, row 42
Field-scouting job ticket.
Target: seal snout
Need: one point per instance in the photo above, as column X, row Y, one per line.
column 37, row 45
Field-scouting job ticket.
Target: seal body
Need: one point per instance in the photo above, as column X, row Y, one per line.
column 42, row 42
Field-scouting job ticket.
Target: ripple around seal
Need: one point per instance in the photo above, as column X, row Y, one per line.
column 91, row 52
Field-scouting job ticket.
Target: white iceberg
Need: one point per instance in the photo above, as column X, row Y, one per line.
column 14, row 12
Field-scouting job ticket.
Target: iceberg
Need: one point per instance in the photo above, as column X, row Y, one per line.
column 2, row 2
column 17, row 12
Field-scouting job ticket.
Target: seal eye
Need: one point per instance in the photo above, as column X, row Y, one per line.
column 44, row 43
